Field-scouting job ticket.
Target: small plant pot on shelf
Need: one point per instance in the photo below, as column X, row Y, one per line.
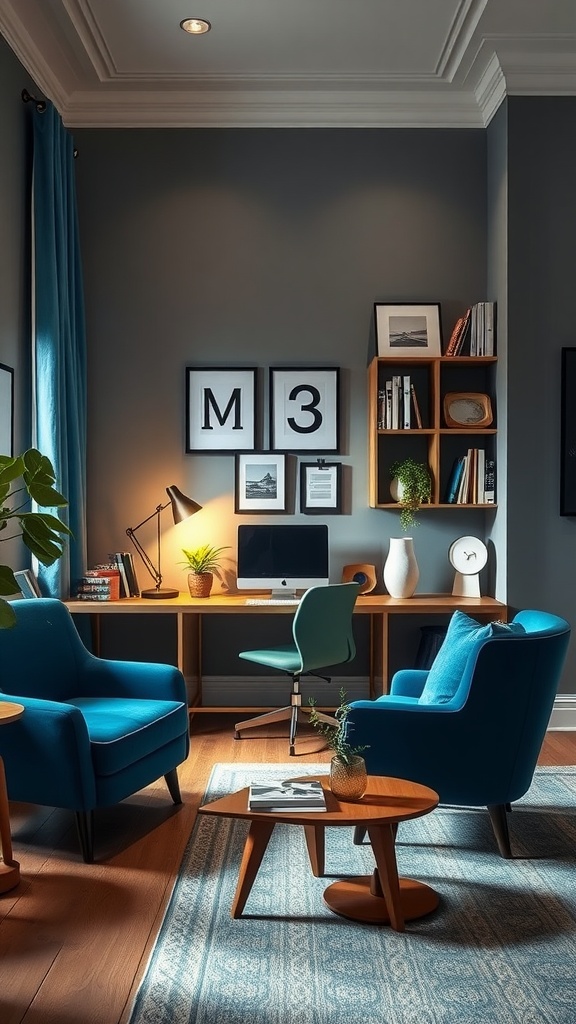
column 348, row 780
column 200, row 583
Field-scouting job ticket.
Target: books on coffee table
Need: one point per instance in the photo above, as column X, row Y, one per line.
column 287, row 796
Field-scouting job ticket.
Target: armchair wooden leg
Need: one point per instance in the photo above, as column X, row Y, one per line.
column 85, row 829
column 173, row 786
column 499, row 821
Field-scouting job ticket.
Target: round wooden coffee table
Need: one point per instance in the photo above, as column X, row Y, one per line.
column 9, row 868
column 380, row 898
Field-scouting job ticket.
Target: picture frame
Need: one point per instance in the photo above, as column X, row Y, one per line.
column 260, row 482
column 304, row 409
column 321, row 487
column 568, row 433
column 221, row 409
column 408, row 330
column 27, row 583
column 6, row 410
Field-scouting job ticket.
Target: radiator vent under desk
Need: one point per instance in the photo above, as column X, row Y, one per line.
column 273, row 691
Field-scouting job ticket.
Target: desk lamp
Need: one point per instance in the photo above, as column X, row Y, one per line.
column 182, row 508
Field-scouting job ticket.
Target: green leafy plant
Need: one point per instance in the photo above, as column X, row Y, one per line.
column 415, row 489
column 40, row 531
column 336, row 736
column 203, row 559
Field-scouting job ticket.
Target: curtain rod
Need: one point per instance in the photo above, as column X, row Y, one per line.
column 28, row 98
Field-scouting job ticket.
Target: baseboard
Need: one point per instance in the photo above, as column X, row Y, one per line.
column 563, row 715
column 270, row 691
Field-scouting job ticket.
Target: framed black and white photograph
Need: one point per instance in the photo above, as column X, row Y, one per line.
column 260, row 484
column 6, row 410
column 321, row 487
column 304, row 409
column 27, row 583
column 408, row 329
column 221, row 409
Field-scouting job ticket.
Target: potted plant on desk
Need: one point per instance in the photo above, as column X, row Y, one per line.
column 348, row 777
column 202, row 563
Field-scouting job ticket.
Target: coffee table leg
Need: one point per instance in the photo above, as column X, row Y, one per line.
column 254, row 849
column 315, row 841
column 382, row 898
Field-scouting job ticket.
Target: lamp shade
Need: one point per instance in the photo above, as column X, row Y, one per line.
column 182, row 506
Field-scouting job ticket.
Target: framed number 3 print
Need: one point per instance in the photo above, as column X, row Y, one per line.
column 304, row 407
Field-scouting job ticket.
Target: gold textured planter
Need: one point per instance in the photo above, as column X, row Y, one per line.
column 200, row 583
column 348, row 781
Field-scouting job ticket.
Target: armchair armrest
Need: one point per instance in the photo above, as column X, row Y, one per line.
column 408, row 682
column 47, row 755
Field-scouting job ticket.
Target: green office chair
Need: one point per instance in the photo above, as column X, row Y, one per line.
column 322, row 631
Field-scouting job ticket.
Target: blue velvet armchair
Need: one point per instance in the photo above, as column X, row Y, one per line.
column 475, row 734
column 94, row 731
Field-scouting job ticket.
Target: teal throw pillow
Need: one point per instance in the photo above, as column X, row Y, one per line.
column 463, row 637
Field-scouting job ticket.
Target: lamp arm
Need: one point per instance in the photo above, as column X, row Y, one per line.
column 148, row 563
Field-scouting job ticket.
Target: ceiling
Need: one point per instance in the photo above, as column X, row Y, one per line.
column 280, row 63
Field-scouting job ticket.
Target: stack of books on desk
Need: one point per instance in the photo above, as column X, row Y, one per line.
column 287, row 796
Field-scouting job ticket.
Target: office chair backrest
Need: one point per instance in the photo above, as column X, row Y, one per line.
column 322, row 626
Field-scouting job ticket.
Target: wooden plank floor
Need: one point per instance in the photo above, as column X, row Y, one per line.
column 74, row 938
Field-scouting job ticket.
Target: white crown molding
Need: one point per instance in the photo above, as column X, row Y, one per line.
column 273, row 109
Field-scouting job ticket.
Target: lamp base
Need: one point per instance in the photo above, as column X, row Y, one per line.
column 160, row 594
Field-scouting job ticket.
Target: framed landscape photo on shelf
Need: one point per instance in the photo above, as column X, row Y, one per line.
column 321, row 487
column 260, row 482
column 221, row 409
column 408, row 330
column 6, row 410
column 304, row 409
column 27, row 583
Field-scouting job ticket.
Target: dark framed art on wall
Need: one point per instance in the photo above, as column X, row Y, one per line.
column 260, row 482
column 304, row 409
column 568, row 434
column 321, row 487
column 221, row 414
column 6, row 410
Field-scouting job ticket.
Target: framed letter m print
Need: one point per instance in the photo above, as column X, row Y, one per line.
column 220, row 409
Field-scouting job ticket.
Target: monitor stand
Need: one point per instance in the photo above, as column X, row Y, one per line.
column 284, row 594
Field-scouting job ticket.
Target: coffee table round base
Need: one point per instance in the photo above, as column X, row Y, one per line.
column 353, row 898
column 9, row 875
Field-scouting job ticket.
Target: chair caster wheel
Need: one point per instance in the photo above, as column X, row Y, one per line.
column 292, row 752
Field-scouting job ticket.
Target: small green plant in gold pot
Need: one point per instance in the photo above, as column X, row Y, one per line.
column 348, row 777
column 202, row 564
column 411, row 487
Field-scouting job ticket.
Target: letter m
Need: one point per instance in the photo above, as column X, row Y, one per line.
column 211, row 407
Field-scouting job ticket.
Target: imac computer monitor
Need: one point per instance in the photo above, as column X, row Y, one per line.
column 282, row 558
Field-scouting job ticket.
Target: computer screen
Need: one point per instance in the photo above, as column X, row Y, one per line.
column 282, row 558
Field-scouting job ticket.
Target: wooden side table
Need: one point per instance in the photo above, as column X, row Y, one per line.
column 9, row 868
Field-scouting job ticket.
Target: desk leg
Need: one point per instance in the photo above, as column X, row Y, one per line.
column 9, row 868
column 189, row 634
column 254, row 849
column 379, row 654
column 382, row 898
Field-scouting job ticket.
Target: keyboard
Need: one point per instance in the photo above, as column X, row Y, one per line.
column 272, row 600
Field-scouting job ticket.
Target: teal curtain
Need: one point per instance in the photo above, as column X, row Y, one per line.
column 59, row 338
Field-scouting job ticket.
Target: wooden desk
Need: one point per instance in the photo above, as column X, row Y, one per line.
column 9, row 868
column 189, row 611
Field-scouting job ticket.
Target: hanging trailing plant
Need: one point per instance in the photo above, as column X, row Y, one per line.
column 411, row 488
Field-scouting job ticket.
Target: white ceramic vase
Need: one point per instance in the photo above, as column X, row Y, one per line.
column 401, row 572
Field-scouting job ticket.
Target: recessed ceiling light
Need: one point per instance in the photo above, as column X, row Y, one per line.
column 195, row 26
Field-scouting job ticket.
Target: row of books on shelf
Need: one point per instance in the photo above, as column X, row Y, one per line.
column 472, row 480
column 398, row 407
column 473, row 333
column 110, row 581
column 287, row 796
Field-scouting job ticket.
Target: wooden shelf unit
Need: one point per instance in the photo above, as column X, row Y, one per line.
column 434, row 443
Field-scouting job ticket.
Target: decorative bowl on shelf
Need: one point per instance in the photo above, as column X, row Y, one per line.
column 467, row 409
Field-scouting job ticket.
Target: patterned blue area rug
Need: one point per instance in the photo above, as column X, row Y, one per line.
column 500, row 949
